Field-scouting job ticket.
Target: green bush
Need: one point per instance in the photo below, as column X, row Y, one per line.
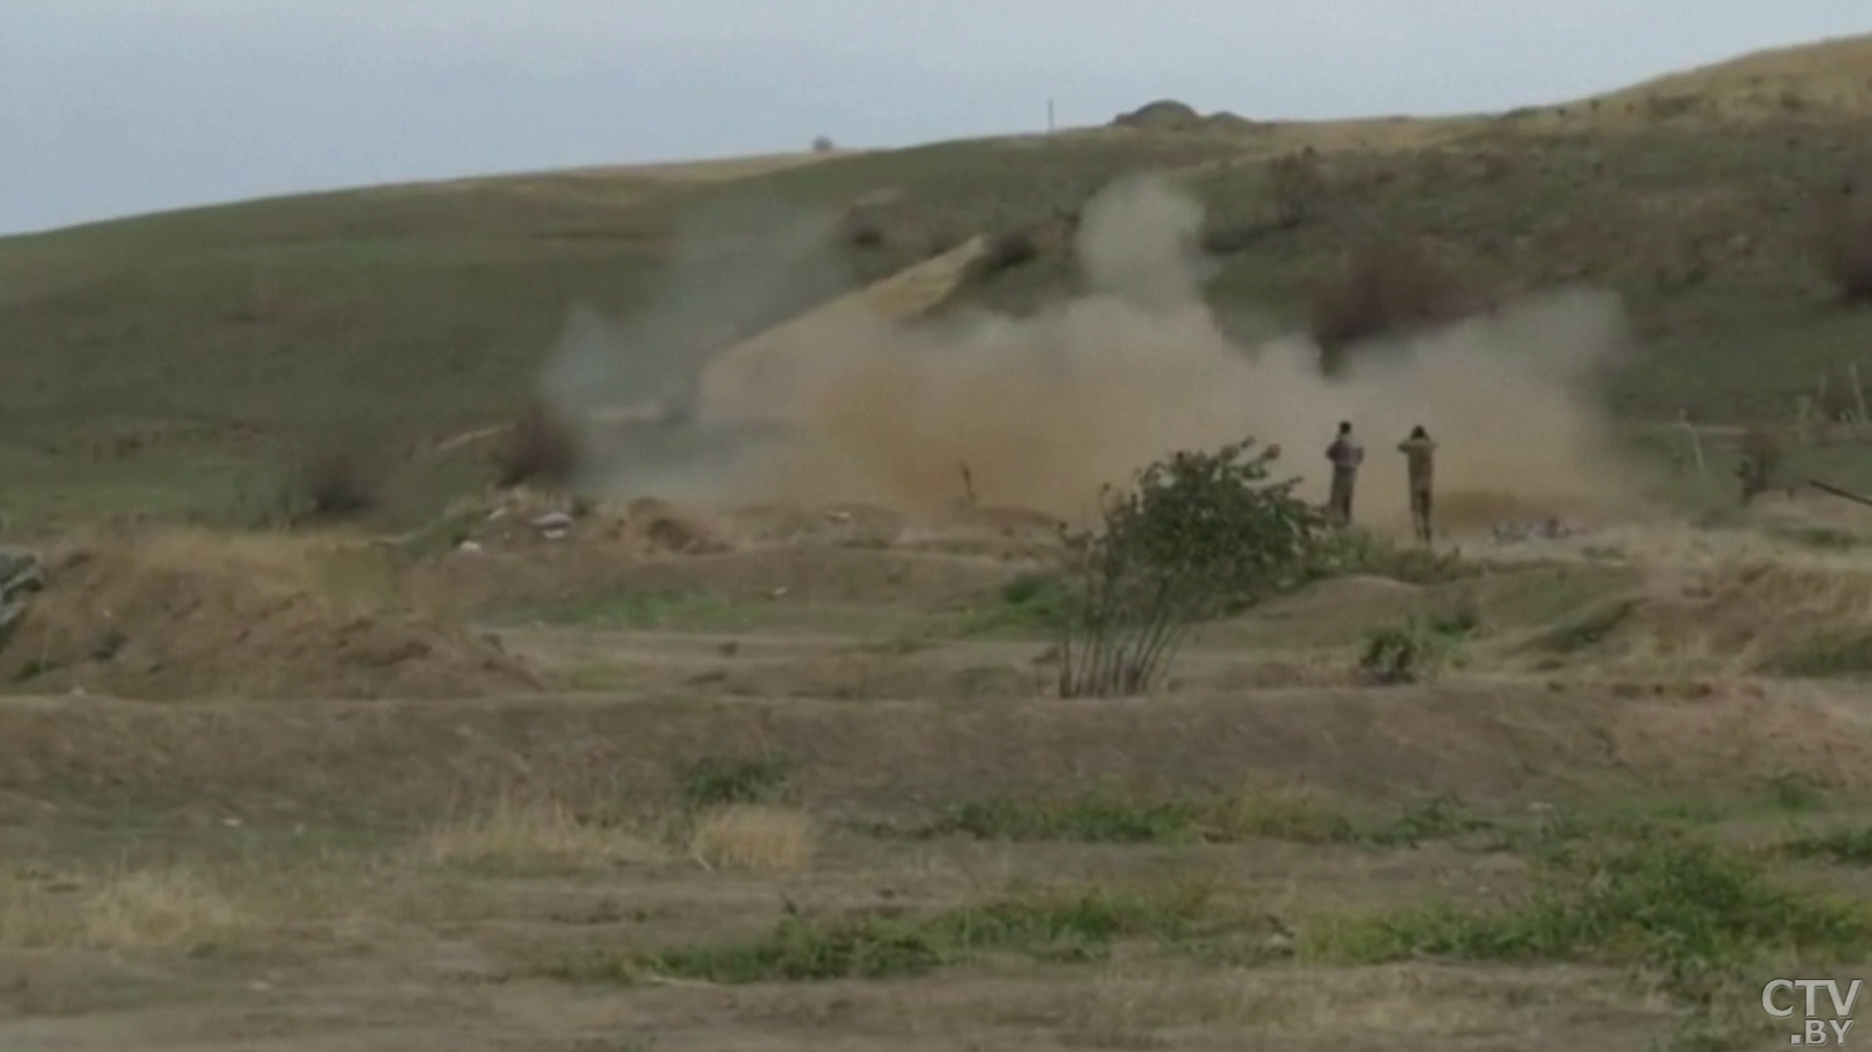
column 1199, row 535
column 1418, row 649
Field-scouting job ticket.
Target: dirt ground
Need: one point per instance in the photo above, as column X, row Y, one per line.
column 690, row 752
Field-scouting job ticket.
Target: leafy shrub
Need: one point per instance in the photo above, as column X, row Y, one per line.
column 717, row 782
column 1199, row 535
column 1416, row 650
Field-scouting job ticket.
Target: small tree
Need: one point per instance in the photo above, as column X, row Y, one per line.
column 1199, row 535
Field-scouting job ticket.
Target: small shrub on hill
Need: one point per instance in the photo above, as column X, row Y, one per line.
column 1416, row 650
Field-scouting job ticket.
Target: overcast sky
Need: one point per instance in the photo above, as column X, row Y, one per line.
column 113, row 107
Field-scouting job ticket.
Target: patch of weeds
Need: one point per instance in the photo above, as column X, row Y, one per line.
column 1356, row 551
column 715, row 782
column 34, row 667
column 1588, row 630
column 1029, row 603
column 1852, row 847
column 1054, row 927
column 1794, row 791
column 1831, row 656
column 1220, row 819
column 1415, row 651
column 1438, row 818
column 1697, row 920
column 1276, row 815
column 798, row 950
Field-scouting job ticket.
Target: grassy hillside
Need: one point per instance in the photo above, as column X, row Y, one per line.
column 206, row 340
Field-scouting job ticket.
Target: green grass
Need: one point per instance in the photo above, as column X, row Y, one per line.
column 1031, row 604
column 1851, row 846
column 1105, row 818
column 715, row 781
column 1706, row 925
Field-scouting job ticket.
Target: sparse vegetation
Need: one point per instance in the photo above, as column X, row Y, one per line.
column 1848, row 846
column 720, row 782
column 1256, row 813
column 1058, row 927
column 1698, row 920
column 754, row 837
column 1416, row 650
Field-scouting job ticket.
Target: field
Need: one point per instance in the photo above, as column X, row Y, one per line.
column 369, row 753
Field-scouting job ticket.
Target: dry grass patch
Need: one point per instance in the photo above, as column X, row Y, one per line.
column 535, row 833
column 170, row 908
column 755, row 837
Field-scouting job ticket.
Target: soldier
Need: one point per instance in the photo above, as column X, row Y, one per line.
column 1419, row 451
column 1345, row 455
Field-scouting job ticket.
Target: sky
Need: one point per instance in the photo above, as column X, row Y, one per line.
column 116, row 107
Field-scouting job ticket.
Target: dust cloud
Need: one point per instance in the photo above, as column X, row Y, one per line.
column 1044, row 410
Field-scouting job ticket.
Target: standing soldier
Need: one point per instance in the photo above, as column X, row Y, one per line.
column 1345, row 455
column 1419, row 452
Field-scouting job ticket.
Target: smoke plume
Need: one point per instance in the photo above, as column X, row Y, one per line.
column 1045, row 410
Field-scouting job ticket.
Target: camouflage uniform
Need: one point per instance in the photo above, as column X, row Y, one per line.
column 1345, row 455
column 1420, row 452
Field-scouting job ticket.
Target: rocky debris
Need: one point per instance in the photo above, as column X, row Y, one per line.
column 554, row 525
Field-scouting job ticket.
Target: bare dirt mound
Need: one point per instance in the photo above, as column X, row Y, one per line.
column 185, row 615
